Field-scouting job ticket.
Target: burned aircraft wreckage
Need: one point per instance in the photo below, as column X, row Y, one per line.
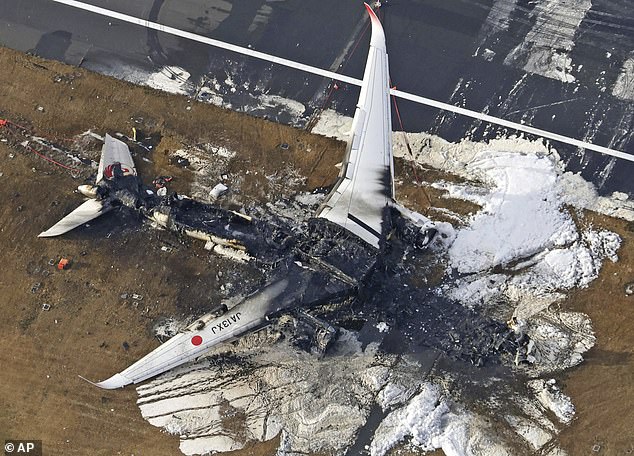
column 353, row 250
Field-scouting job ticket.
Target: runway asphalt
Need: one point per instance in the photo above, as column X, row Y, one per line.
column 473, row 54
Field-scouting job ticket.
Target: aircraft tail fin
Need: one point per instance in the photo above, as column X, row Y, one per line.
column 86, row 212
column 114, row 152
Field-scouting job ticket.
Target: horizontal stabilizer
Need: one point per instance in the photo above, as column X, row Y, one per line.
column 88, row 211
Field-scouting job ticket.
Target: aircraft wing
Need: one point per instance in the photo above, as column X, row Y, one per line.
column 115, row 152
column 194, row 342
column 366, row 182
column 87, row 211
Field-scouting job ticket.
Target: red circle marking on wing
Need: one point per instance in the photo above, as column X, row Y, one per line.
column 197, row 340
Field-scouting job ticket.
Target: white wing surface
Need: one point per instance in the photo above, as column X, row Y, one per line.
column 358, row 203
column 366, row 182
column 114, row 152
column 87, row 211
column 194, row 342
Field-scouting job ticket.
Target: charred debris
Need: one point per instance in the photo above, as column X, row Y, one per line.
column 338, row 280
column 333, row 275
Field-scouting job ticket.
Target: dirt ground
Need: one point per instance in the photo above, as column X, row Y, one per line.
column 90, row 330
column 602, row 388
column 88, row 324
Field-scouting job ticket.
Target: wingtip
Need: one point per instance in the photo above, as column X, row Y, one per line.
column 378, row 35
column 371, row 12
column 86, row 380
column 114, row 382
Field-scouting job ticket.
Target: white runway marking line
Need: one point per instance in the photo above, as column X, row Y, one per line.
column 340, row 77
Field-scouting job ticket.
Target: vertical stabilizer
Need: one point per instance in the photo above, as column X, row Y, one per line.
column 114, row 152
